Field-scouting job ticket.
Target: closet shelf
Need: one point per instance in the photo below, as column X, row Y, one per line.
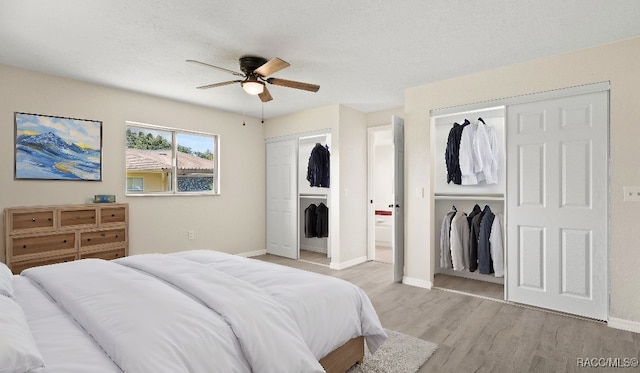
column 470, row 197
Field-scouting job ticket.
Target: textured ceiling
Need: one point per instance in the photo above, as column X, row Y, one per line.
column 363, row 53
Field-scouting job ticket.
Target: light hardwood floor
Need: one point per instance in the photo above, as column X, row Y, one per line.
column 480, row 335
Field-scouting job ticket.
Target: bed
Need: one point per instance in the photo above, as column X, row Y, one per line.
column 193, row 311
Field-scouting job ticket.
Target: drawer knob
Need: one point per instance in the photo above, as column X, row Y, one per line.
column 116, row 236
column 33, row 219
column 65, row 241
column 24, row 246
column 113, row 215
column 88, row 239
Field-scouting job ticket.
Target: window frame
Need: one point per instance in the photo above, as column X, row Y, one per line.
column 174, row 163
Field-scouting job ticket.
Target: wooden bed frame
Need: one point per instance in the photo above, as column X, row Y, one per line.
column 344, row 357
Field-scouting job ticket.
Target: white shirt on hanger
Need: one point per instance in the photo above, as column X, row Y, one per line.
column 487, row 152
column 469, row 166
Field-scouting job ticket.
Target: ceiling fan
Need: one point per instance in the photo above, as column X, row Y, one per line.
column 255, row 73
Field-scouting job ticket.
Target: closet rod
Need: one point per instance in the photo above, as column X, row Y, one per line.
column 319, row 196
column 479, row 197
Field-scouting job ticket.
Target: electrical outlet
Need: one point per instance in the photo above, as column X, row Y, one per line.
column 631, row 193
column 192, row 235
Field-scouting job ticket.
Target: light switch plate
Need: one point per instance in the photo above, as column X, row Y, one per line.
column 631, row 193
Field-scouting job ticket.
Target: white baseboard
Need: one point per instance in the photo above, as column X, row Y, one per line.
column 347, row 264
column 417, row 282
column 253, row 253
column 628, row 325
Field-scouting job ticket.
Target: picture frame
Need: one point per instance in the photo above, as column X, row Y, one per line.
column 51, row 147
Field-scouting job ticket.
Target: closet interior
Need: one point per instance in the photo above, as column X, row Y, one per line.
column 314, row 182
column 469, row 201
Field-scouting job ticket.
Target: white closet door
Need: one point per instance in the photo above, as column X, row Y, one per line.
column 282, row 221
column 557, row 204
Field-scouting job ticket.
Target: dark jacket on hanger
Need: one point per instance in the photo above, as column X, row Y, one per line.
column 476, row 210
column 474, row 234
column 322, row 222
column 310, row 221
column 318, row 167
column 452, row 153
column 485, row 265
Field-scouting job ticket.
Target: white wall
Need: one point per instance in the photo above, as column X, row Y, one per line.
column 348, row 212
column 617, row 63
column 232, row 222
column 353, row 185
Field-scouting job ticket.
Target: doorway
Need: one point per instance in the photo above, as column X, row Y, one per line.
column 385, row 220
column 381, row 184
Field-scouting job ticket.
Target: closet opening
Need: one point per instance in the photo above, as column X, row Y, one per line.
column 314, row 183
column 469, row 202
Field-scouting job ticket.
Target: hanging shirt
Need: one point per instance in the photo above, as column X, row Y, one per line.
column 497, row 247
column 487, row 152
column 452, row 153
column 445, row 241
column 322, row 220
column 485, row 266
column 469, row 167
column 318, row 166
column 310, row 221
column 460, row 241
column 474, row 236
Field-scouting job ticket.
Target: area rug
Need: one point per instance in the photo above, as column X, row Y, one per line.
column 400, row 353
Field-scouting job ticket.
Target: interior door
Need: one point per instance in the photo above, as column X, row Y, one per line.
column 398, row 196
column 557, row 152
column 282, row 191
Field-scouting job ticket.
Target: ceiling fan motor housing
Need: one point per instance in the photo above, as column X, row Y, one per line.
column 248, row 64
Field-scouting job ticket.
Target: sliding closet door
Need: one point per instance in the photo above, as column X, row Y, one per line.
column 557, row 153
column 282, row 220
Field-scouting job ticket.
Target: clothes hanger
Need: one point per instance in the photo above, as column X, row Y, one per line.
column 481, row 120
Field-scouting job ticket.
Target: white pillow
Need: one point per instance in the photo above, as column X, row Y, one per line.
column 18, row 350
column 6, row 280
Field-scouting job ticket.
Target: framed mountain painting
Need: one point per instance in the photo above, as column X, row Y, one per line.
column 57, row 148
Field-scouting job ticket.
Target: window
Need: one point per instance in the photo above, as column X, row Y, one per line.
column 135, row 184
column 167, row 161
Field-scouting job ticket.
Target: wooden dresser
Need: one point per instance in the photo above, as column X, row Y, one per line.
column 39, row 235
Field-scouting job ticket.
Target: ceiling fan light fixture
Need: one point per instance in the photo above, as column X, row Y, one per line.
column 253, row 86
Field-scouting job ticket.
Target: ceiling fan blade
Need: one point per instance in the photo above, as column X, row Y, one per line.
column 217, row 67
column 271, row 67
column 294, row 84
column 219, row 84
column 265, row 96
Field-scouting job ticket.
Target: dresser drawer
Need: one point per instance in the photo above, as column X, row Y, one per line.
column 18, row 267
column 107, row 255
column 43, row 244
column 108, row 236
column 31, row 220
column 80, row 217
column 113, row 215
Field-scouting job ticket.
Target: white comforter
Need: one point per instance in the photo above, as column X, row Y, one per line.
column 204, row 317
